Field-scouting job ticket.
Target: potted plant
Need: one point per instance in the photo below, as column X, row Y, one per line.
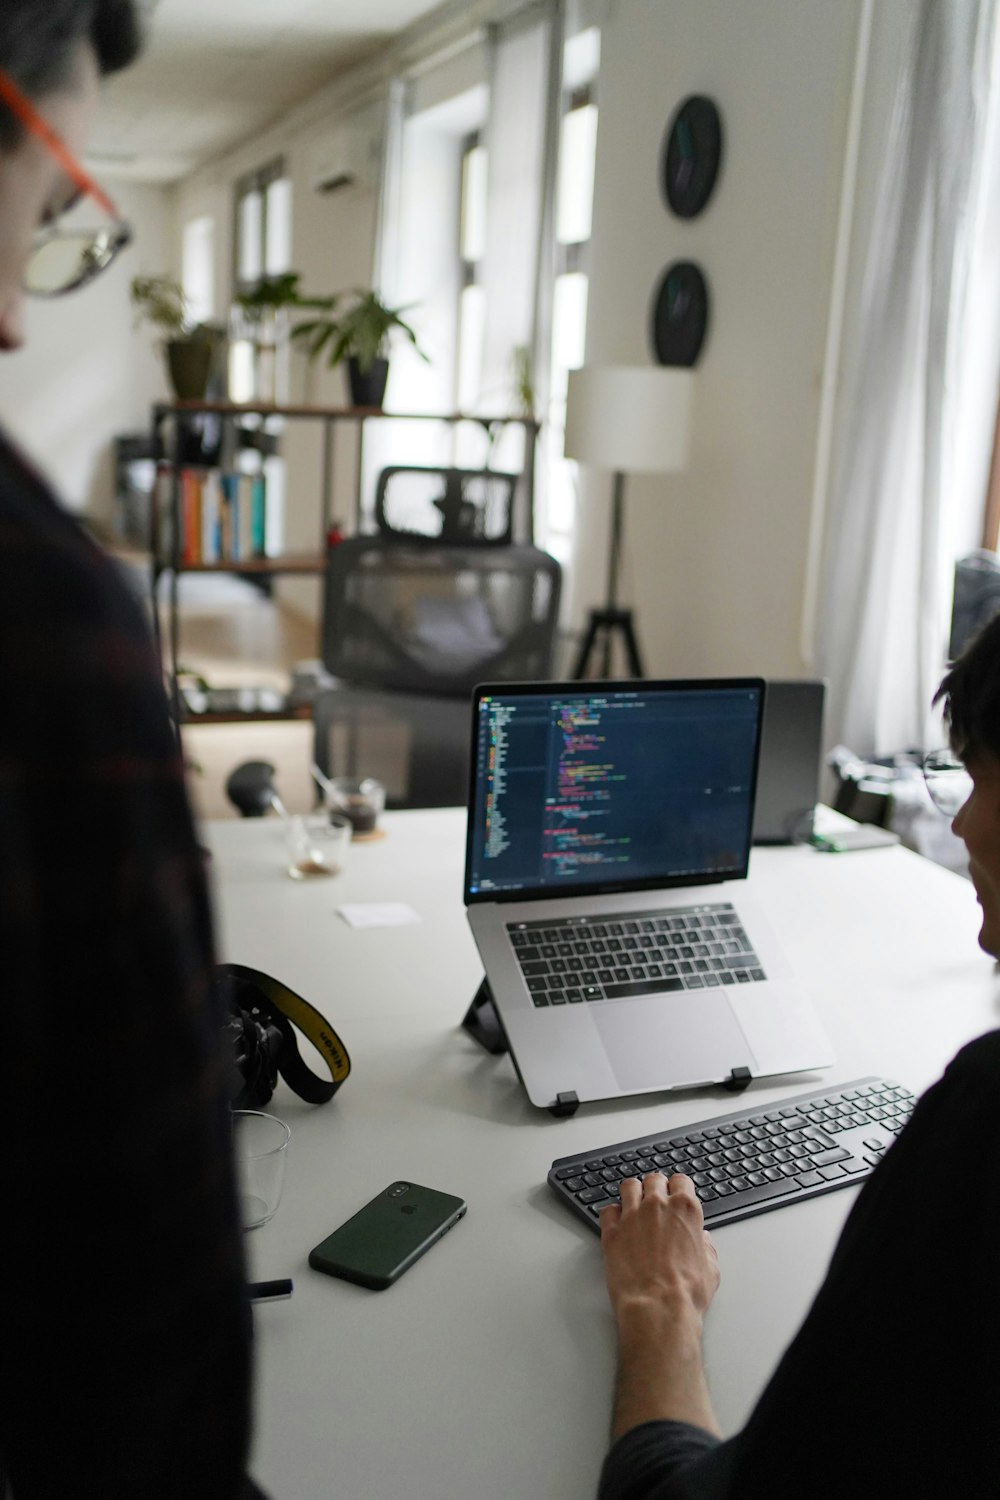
column 191, row 348
column 361, row 337
column 260, row 317
column 273, row 292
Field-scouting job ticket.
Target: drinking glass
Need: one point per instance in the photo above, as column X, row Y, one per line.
column 260, row 1146
column 317, row 844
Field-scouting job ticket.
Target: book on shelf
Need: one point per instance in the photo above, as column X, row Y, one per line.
column 225, row 517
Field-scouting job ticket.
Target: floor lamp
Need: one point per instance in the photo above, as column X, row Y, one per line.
column 629, row 421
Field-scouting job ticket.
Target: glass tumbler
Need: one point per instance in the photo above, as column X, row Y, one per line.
column 260, row 1146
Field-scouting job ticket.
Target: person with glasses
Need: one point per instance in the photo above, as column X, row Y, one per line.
column 892, row 1385
column 124, row 1331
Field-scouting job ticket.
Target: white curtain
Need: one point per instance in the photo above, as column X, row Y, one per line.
column 915, row 414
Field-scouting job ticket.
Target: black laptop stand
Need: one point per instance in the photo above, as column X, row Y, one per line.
column 482, row 1022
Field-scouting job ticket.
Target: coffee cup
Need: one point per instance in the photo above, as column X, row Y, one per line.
column 359, row 799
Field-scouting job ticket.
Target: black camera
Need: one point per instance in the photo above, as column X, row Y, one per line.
column 260, row 1017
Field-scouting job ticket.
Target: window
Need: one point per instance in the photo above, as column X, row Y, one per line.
column 430, row 247
column 262, row 246
column 262, row 239
column 487, row 236
column 573, row 219
column 198, row 268
column 472, row 245
column 471, row 320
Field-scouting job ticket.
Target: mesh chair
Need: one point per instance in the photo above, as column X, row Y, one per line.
column 445, row 505
column 438, row 619
column 414, row 617
column 416, row 745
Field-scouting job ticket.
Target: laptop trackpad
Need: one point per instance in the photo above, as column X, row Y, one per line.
column 672, row 1040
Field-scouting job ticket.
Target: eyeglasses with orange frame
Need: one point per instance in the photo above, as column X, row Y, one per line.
column 63, row 259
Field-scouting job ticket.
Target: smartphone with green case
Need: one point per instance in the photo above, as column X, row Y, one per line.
column 383, row 1239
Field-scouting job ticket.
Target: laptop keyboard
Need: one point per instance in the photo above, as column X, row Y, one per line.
column 749, row 1162
column 578, row 959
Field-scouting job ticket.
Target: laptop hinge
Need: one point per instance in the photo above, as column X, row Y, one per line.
column 482, row 1021
column 566, row 1104
column 737, row 1080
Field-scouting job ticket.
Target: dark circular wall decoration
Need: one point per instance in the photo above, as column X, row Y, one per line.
column 680, row 314
column 692, row 152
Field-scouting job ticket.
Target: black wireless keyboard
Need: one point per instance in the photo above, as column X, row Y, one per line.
column 748, row 1162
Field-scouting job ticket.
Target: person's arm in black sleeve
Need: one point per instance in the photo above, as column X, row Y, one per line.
column 665, row 1460
column 892, row 1385
column 124, row 1339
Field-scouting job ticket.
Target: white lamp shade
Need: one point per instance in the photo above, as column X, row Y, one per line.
column 629, row 420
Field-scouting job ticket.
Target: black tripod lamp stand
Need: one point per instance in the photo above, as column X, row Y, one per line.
column 630, row 421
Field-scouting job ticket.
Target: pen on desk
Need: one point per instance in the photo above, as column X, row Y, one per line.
column 269, row 1291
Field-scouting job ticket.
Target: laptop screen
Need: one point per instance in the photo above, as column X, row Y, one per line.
column 586, row 787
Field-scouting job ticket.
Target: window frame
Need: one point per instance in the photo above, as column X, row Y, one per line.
column 469, row 271
column 257, row 181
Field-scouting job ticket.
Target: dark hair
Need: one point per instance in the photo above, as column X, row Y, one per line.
column 39, row 41
column 971, row 696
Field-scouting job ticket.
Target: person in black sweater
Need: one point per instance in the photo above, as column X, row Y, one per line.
column 892, row 1385
column 124, row 1337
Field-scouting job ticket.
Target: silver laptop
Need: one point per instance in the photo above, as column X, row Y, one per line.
column 791, row 749
column 604, row 817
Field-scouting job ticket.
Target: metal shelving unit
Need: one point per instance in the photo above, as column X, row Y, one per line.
column 171, row 444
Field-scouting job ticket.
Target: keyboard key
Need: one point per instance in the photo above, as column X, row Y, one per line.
column 784, row 1189
column 824, row 1158
column 641, row 987
column 808, row 1179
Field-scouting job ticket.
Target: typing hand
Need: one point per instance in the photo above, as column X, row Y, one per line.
column 656, row 1250
column 662, row 1273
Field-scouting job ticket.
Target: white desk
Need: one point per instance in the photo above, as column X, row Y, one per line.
column 487, row 1370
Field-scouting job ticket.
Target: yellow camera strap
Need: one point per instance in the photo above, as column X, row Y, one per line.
column 265, row 997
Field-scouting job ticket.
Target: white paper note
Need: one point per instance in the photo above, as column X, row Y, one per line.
column 379, row 914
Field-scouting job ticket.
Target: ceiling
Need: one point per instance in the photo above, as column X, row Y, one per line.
column 215, row 72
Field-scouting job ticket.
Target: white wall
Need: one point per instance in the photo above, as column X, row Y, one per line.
column 85, row 375
column 715, row 557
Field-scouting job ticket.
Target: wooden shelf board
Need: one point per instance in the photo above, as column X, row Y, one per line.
column 239, row 716
column 231, row 409
column 261, row 565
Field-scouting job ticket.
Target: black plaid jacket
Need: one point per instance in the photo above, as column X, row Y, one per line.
column 124, row 1352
